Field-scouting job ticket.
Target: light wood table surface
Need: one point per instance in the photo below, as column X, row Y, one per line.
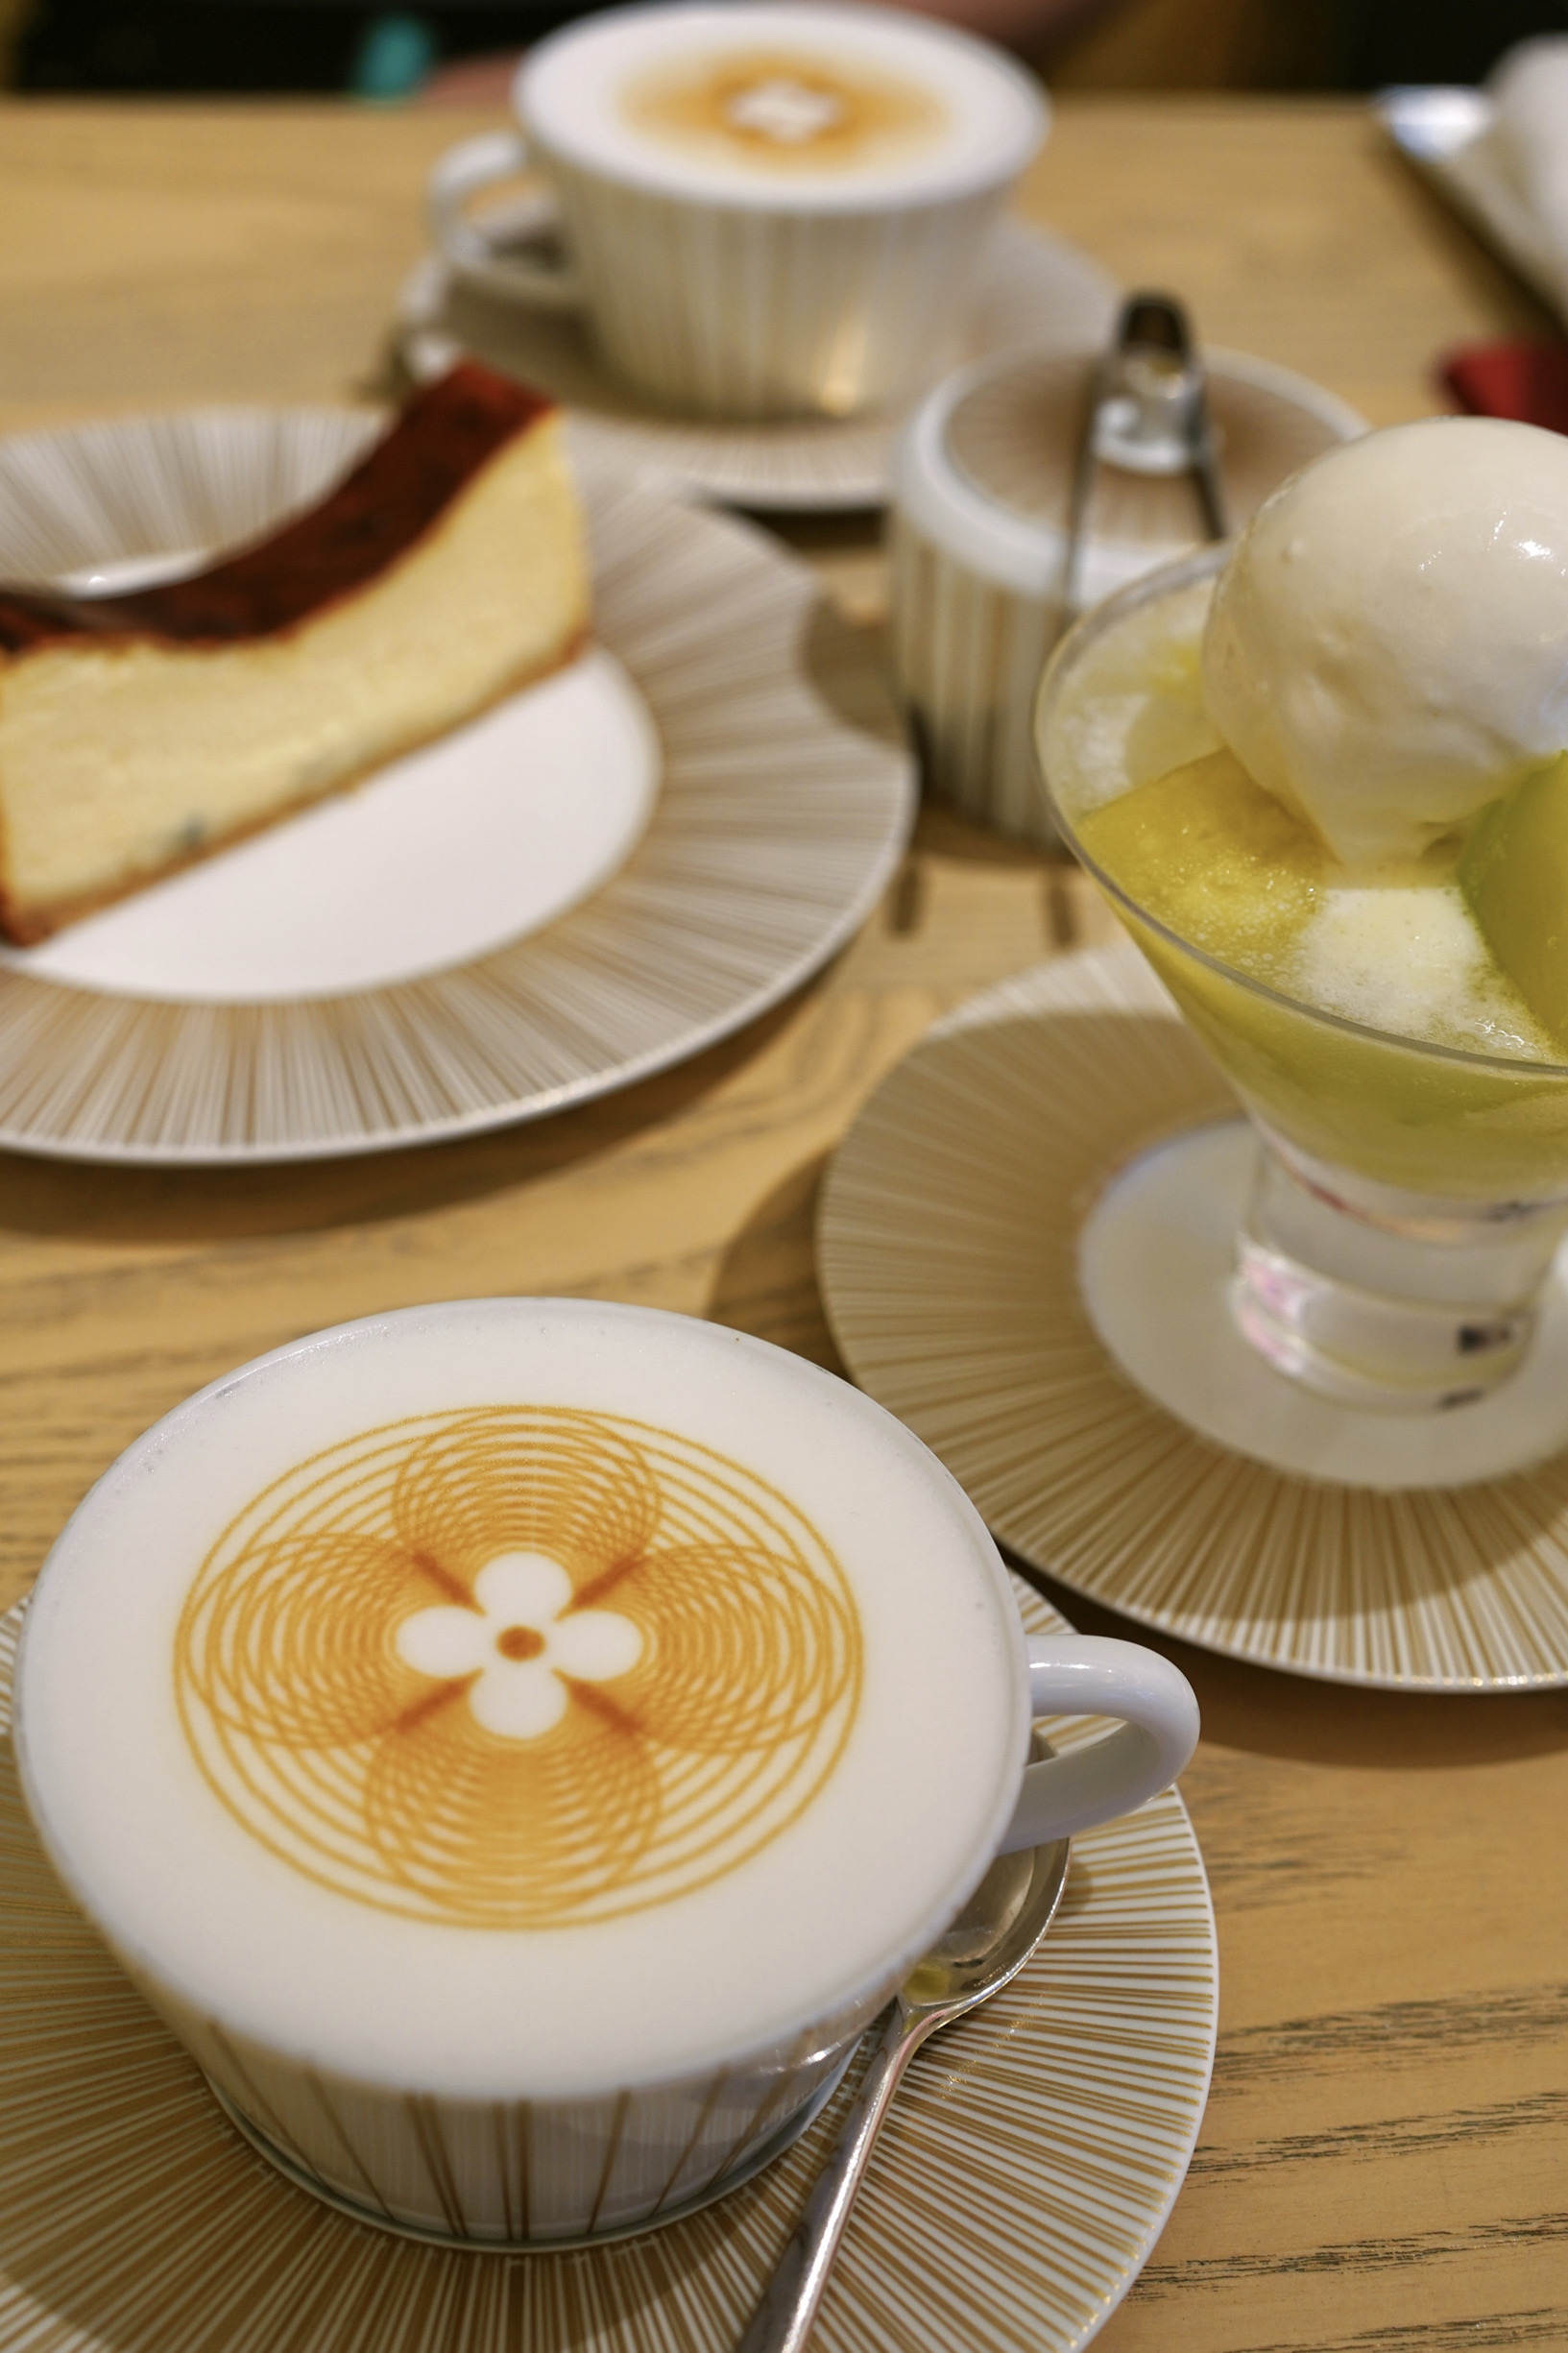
column 1384, row 2168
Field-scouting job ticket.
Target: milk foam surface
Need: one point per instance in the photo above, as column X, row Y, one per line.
column 864, row 1874
column 972, row 119
column 1410, row 960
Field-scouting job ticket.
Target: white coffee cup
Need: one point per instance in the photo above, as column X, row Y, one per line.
column 518, row 1745
column 768, row 209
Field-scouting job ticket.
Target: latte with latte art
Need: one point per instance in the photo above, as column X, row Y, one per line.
column 416, row 1693
column 518, row 1745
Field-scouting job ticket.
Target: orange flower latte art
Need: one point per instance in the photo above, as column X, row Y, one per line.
column 517, row 1666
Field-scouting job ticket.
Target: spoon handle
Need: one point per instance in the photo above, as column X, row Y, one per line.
column 783, row 2320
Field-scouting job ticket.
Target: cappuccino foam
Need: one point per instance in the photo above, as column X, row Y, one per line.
column 522, row 1699
column 792, row 106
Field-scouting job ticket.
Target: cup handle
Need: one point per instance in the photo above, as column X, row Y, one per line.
column 1075, row 1674
column 461, row 172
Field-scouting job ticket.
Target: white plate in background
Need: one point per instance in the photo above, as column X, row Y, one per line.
column 1446, row 133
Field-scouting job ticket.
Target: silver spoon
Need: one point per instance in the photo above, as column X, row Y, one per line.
column 988, row 1944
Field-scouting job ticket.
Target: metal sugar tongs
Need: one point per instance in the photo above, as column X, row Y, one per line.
column 1148, row 413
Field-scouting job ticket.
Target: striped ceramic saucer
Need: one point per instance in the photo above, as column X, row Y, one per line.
column 948, row 1253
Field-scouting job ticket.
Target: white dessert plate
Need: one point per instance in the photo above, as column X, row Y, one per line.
column 1023, row 2174
column 441, row 857
column 590, row 882
column 1445, row 133
column 1048, row 1184
column 1038, row 291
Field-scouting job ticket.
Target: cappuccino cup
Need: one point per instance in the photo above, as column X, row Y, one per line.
column 767, row 209
column 518, row 1746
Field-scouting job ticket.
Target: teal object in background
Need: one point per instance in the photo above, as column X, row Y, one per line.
column 394, row 57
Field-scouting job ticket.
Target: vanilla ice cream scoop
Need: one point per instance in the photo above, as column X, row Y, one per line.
column 1388, row 648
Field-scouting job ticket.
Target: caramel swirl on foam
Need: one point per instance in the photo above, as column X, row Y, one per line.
column 784, row 109
column 517, row 1666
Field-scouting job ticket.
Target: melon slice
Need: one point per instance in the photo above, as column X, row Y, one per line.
column 1514, row 876
column 1212, row 856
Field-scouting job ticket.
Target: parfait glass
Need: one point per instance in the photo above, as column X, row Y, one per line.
column 1407, row 1199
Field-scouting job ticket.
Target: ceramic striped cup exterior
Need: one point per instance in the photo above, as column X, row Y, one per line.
column 747, row 313
column 968, row 653
column 520, row 2173
column 979, row 569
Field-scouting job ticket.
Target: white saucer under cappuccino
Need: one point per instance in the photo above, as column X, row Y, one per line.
column 518, row 1745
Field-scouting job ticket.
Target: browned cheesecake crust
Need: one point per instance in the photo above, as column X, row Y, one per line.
column 378, row 512
column 458, row 534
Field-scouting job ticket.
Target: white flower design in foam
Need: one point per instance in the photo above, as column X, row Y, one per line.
column 522, row 1643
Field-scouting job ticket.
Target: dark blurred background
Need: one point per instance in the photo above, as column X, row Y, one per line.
column 389, row 53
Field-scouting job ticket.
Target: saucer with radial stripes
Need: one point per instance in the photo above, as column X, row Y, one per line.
column 975, row 1251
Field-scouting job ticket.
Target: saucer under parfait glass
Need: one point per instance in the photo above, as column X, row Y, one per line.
column 1406, row 1201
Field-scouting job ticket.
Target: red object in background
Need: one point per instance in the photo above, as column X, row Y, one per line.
column 1527, row 381
column 470, row 82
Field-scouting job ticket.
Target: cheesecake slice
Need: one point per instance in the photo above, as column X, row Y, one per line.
column 138, row 733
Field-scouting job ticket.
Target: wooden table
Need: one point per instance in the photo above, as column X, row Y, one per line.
column 1384, row 2161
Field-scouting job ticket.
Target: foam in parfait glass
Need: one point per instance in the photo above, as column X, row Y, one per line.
column 1322, row 777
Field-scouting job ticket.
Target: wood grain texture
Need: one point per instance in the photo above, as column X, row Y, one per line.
column 1383, row 2161
column 1292, row 228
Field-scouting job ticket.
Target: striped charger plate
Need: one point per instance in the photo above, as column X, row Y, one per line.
column 947, row 1251
column 785, row 799
column 1025, row 2170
